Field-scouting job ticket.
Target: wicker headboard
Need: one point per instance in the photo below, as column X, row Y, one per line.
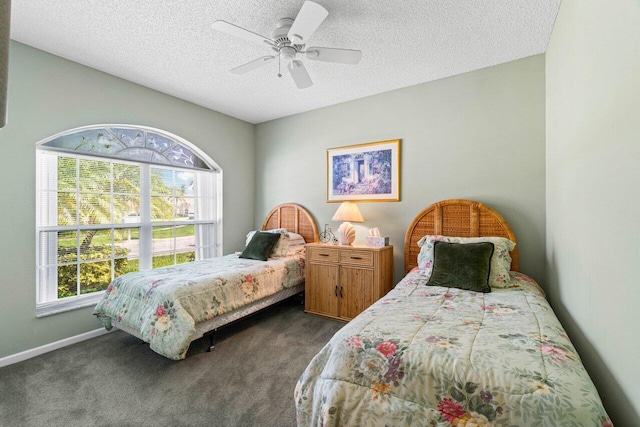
column 294, row 218
column 455, row 217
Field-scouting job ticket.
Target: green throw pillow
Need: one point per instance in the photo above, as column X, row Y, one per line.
column 465, row 266
column 260, row 246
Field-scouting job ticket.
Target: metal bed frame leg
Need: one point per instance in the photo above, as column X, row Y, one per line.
column 211, row 339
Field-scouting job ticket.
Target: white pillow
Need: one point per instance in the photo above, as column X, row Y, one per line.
column 500, row 260
column 296, row 243
column 281, row 248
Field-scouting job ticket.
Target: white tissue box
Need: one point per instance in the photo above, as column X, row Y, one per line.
column 377, row 241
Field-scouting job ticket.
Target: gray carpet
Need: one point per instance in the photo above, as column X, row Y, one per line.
column 115, row 380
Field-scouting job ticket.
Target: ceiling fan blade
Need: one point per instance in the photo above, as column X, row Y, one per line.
column 308, row 20
column 236, row 31
column 299, row 74
column 328, row 54
column 250, row 66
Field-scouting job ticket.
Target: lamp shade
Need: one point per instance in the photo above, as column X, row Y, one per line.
column 348, row 211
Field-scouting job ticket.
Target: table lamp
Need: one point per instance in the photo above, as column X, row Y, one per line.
column 347, row 212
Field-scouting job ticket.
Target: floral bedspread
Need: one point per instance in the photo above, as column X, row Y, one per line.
column 433, row 356
column 164, row 304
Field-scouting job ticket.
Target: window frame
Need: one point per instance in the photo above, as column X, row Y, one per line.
column 146, row 223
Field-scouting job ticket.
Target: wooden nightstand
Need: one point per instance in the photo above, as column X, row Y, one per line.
column 342, row 281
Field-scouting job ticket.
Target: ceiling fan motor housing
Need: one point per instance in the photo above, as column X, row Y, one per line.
column 281, row 37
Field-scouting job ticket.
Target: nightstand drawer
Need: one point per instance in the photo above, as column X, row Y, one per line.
column 322, row 254
column 356, row 257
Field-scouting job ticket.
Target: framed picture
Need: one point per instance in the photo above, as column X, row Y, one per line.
column 366, row 172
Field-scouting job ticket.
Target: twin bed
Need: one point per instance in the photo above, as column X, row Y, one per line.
column 442, row 356
column 172, row 306
column 423, row 355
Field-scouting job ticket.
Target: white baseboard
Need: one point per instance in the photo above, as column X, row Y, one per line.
column 28, row 354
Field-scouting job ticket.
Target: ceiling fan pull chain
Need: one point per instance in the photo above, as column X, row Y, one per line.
column 279, row 74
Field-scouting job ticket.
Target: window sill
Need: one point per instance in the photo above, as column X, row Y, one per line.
column 56, row 307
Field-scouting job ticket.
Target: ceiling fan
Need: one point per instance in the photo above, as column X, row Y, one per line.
column 289, row 42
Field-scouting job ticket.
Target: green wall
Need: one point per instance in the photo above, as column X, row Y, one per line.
column 479, row 135
column 47, row 95
column 476, row 136
column 593, row 197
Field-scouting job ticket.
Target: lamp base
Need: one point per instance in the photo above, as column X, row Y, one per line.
column 346, row 234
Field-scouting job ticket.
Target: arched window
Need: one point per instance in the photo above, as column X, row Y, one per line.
column 113, row 199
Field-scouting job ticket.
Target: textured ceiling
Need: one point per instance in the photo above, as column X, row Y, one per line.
column 170, row 46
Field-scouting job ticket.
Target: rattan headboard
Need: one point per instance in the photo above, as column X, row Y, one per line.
column 294, row 218
column 455, row 217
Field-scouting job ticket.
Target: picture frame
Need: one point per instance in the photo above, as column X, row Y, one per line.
column 365, row 173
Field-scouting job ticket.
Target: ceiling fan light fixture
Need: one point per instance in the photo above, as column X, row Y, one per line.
column 288, row 53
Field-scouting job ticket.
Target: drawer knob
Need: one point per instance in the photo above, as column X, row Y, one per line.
column 323, row 254
column 356, row 257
